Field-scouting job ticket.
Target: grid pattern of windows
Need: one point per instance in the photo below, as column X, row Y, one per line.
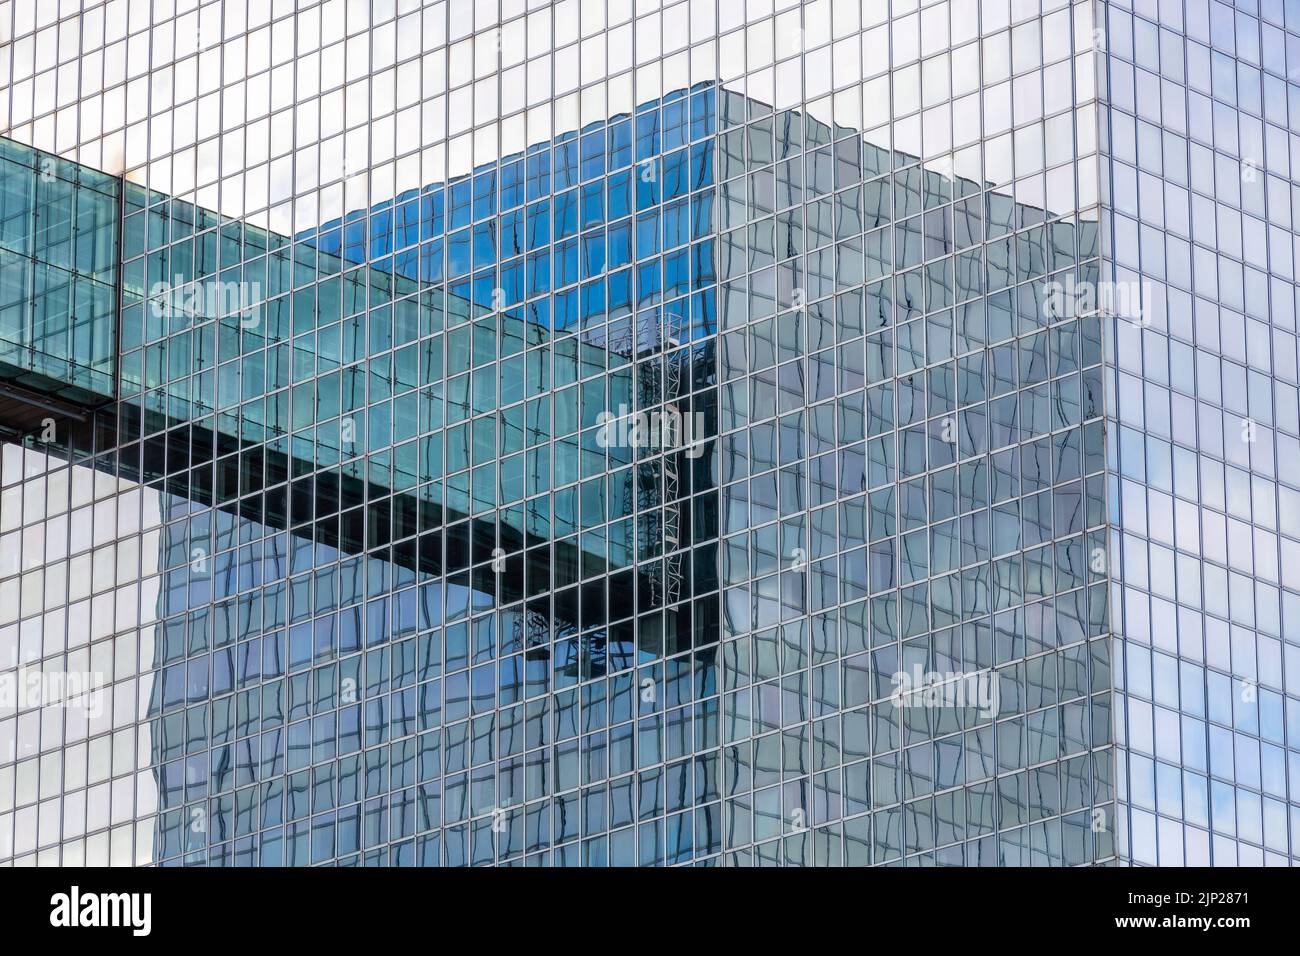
column 1204, row 429
column 58, row 273
column 557, row 434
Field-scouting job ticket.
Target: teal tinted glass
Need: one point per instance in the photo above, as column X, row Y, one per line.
column 58, row 274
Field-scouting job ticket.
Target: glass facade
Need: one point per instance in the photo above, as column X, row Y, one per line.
column 58, row 274
column 656, row 434
column 1202, row 402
